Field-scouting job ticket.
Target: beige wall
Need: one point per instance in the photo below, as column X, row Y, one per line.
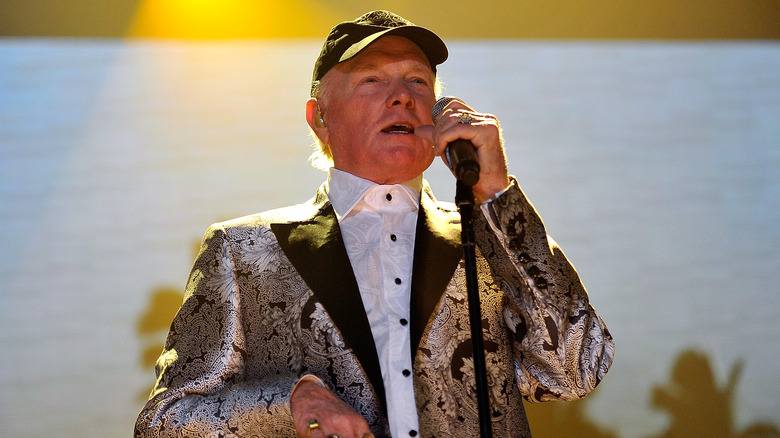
column 655, row 165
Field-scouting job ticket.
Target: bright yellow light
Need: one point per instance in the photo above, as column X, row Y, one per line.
column 223, row 19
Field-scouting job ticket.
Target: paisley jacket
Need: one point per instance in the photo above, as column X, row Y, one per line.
column 272, row 296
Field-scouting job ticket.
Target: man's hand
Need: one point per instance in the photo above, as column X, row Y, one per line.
column 484, row 133
column 311, row 401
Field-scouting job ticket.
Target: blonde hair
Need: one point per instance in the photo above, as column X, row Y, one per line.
column 321, row 157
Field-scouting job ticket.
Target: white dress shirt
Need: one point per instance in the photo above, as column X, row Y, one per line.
column 378, row 225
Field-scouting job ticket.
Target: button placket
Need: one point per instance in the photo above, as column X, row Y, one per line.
column 398, row 220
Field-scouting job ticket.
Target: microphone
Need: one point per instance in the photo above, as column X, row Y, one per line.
column 460, row 154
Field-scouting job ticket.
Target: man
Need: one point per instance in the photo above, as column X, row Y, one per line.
column 346, row 316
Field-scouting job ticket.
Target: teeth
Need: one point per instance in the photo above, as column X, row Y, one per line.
column 400, row 128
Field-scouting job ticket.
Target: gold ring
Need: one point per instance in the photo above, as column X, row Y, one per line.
column 368, row 435
column 465, row 118
column 313, row 425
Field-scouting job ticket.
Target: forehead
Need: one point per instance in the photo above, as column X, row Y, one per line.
column 386, row 50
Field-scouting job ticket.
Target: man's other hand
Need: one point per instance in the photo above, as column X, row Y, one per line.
column 318, row 413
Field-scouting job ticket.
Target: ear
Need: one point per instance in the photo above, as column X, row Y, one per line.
column 315, row 120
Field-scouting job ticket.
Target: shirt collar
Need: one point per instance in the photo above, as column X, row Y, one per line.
column 346, row 190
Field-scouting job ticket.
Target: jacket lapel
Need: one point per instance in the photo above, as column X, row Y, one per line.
column 315, row 248
column 437, row 252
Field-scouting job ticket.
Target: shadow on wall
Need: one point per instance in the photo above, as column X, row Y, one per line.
column 696, row 404
column 154, row 322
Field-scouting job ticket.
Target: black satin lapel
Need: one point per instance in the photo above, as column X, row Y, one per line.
column 437, row 252
column 316, row 250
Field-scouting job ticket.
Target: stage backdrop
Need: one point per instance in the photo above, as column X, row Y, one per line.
column 656, row 166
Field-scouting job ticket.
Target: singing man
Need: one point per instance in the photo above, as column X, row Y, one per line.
column 346, row 316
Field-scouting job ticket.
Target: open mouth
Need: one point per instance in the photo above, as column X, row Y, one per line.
column 400, row 128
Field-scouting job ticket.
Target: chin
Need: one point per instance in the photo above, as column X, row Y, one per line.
column 404, row 156
column 410, row 170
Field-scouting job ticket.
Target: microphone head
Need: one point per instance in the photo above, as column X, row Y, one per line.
column 438, row 107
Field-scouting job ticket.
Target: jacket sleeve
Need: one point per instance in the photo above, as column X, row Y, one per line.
column 201, row 390
column 562, row 347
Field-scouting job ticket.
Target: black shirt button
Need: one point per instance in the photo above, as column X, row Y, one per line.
column 403, row 321
column 393, row 237
column 406, row 373
column 412, row 432
column 389, row 197
column 397, row 281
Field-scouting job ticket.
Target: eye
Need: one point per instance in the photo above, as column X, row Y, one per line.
column 420, row 81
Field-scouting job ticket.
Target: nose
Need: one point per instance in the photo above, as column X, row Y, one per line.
column 400, row 95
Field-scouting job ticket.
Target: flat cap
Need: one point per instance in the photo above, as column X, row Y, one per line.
column 348, row 38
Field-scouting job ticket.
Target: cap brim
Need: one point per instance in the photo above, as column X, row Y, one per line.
column 430, row 43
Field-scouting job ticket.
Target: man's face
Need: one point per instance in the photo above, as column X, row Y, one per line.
column 371, row 106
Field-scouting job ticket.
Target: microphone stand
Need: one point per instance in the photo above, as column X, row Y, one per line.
column 464, row 199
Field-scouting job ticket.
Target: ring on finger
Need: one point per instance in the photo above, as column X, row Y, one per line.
column 465, row 118
column 334, row 436
column 313, row 425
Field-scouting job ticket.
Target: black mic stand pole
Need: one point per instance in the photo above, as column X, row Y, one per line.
column 464, row 199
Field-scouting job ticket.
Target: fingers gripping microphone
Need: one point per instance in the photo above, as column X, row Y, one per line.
column 460, row 154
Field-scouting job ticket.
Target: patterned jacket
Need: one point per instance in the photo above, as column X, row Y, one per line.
column 272, row 296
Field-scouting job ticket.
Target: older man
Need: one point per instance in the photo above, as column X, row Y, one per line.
column 346, row 316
